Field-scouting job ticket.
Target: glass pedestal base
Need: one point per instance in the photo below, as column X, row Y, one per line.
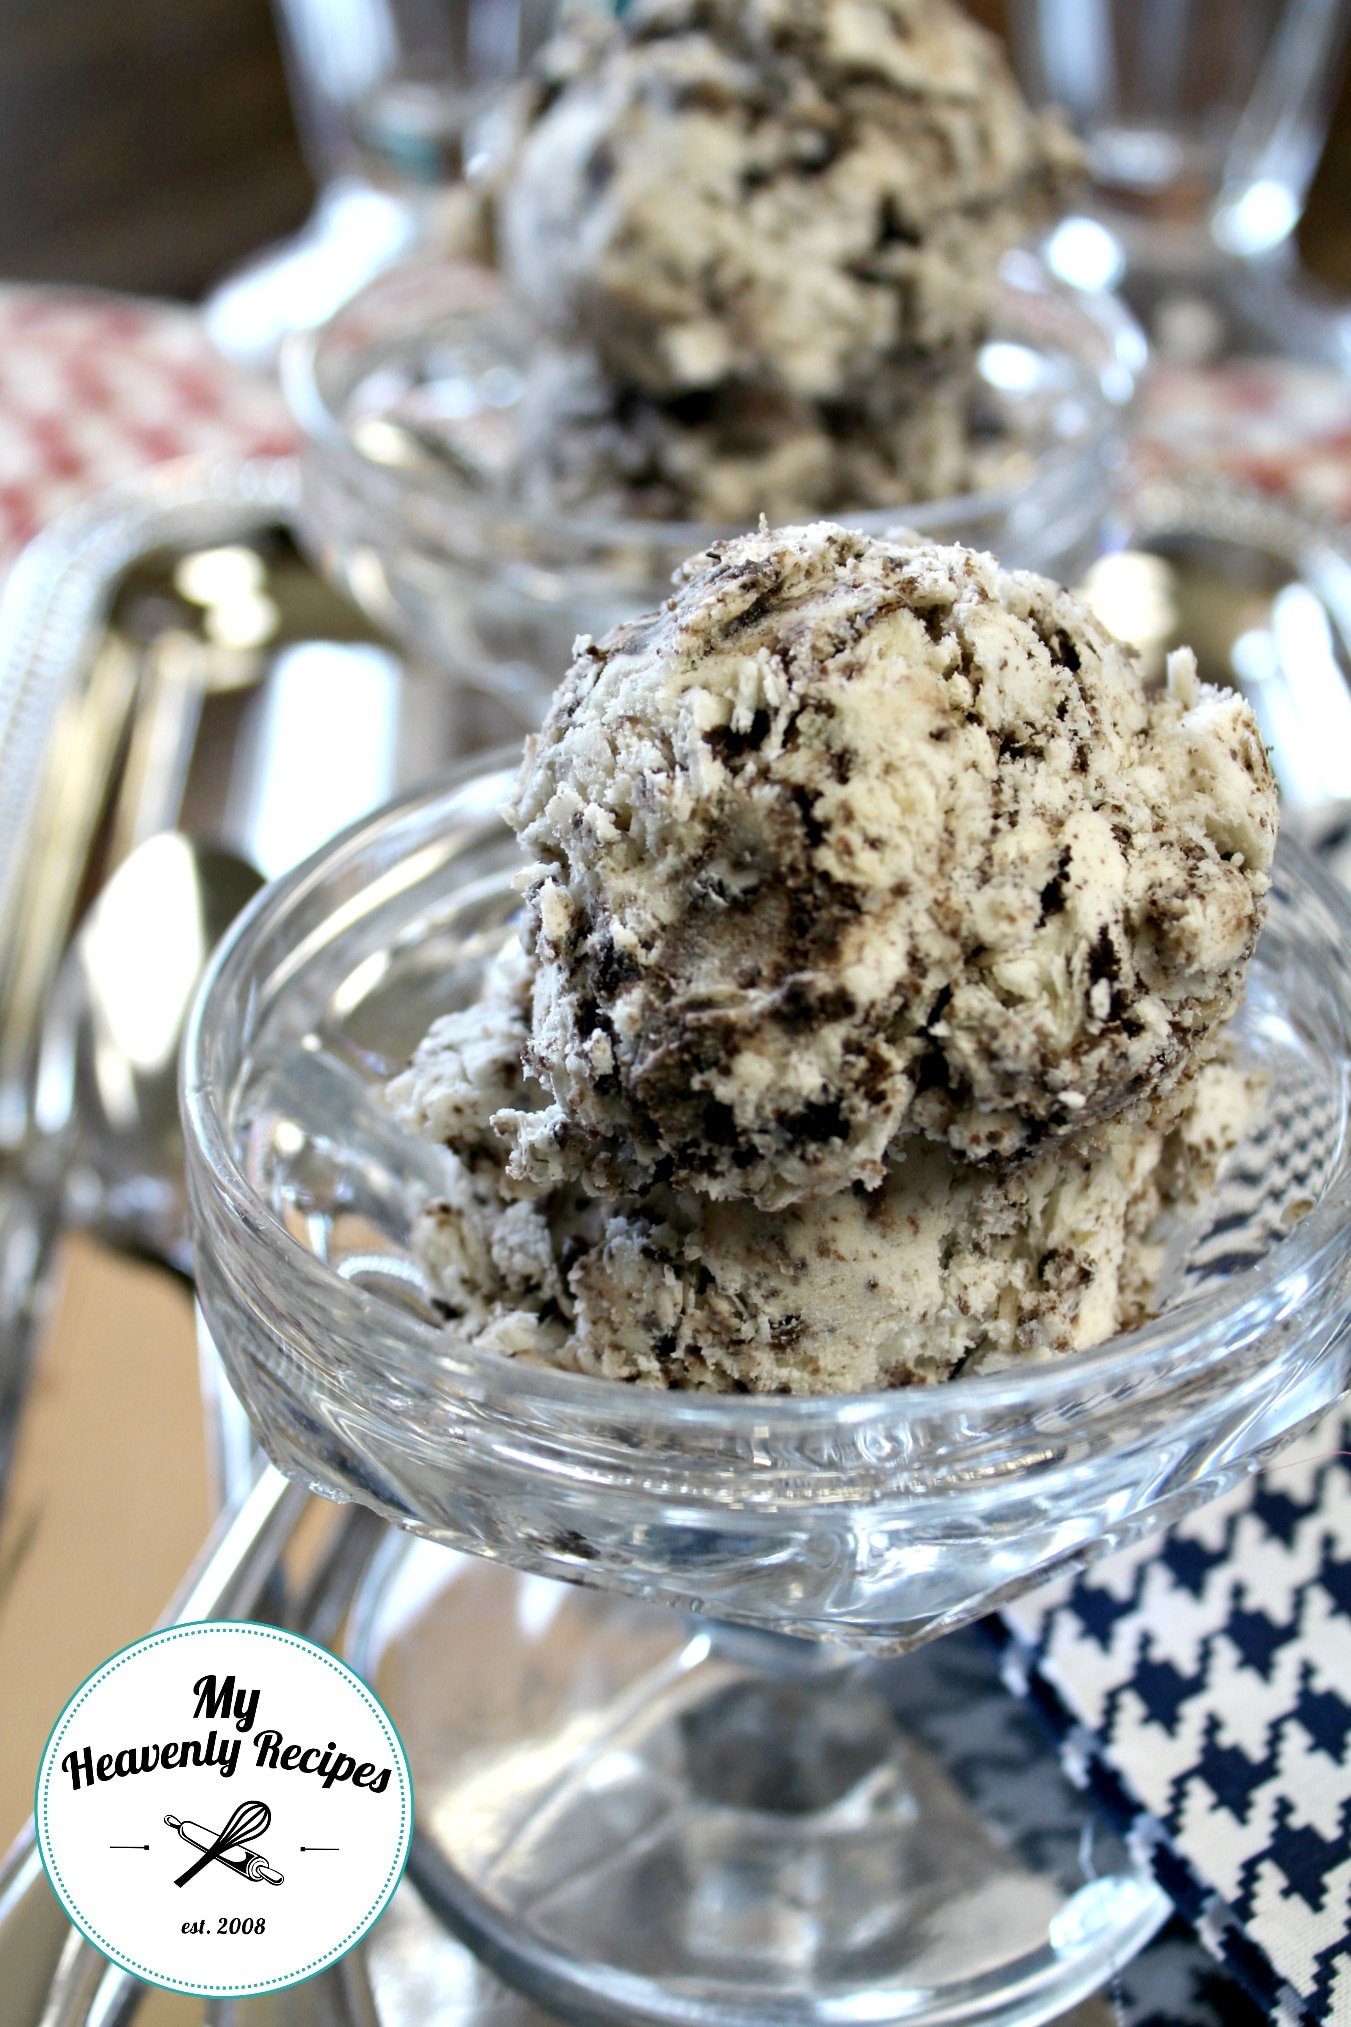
column 638, row 1818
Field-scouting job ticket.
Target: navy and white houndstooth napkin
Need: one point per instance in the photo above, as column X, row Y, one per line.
column 1176, row 1982
column 1200, row 1685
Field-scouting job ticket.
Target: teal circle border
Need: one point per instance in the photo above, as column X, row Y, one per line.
column 56, row 1736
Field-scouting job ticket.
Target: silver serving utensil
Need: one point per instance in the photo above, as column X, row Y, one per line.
column 108, row 1063
column 105, row 1151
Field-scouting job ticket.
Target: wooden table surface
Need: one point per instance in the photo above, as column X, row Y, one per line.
column 108, row 1500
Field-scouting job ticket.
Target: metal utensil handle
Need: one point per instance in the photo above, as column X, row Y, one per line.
column 30, row 1225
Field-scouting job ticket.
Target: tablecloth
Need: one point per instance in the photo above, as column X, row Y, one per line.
column 94, row 387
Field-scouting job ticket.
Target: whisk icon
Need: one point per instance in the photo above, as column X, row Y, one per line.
column 249, row 1820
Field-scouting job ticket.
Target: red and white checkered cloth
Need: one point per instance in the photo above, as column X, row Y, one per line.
column 1274, row 424
column 94, row 387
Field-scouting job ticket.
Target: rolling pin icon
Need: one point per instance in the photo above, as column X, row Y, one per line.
column 251, row 1864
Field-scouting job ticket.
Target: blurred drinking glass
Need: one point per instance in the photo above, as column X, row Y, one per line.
column 1203, row 122
column 388, row 89
column 387, row 95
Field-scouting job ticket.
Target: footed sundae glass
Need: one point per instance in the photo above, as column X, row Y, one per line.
column 710, row 1787
column 410, row 403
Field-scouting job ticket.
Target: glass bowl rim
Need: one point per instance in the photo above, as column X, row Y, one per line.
column 1021, row 273
column 1156, row 1347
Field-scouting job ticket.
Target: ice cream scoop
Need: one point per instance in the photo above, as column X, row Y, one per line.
column 773, row 191
column 949, row 1266
column 756, row 242
column 856, row 841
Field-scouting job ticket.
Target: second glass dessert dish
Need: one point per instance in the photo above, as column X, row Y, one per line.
column 411, row 404
column 790, row 1538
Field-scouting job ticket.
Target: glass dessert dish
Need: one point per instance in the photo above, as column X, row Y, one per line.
column 717, row 1811
column 427, row 362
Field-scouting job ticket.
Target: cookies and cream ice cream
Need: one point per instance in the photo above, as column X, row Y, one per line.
column 788, row 193
column 858, row 840
column 879, row 933
column 919, row 430
column 947, row 1266
column 760, row 238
